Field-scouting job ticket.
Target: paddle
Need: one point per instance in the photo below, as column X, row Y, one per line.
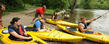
column 97, row 18
column 105, row 13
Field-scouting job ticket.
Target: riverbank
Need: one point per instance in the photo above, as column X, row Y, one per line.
column 26, row 20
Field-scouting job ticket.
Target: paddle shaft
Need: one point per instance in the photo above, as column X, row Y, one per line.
column 102, row 15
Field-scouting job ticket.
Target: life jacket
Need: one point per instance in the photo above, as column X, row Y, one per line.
column 55, row 16
column 84, row 26
column 16, row 30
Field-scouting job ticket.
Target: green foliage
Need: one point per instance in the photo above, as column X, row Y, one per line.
column 32, row 2
column 49, row 11
column 27, row 6
column 84, row 4
column 13, row 5
column 61, row 4
column 94, row 4
column 57, row 10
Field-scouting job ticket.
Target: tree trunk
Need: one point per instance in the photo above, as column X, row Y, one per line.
column 72, row 6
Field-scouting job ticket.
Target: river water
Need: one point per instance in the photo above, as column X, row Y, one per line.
column 99, row 25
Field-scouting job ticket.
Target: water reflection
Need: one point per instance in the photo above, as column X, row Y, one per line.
column 74, row 18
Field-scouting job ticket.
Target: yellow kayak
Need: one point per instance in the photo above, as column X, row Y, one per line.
column 97, row 38
column 61, row 22
column 5, row 40
column 55, row 35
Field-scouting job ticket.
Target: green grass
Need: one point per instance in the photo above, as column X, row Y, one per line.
column 49, row 11
column 5, row 13
column 27, row 6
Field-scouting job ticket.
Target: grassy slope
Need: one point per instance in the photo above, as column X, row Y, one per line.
column 27, row 6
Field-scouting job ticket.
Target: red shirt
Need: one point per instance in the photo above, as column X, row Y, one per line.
column 40, row 10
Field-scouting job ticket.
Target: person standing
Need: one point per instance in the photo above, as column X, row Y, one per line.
column 2, row 9
column 39, row 12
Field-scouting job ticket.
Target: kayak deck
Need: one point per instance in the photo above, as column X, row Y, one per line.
column 55, row 35
column 97, row 38
column 4, row 38
column 61, row 22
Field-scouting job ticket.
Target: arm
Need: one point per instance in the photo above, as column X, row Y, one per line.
column 25, row 32
column 53, row 17
column 38, row 29
column 43, row 26
column 42, row 13
column 34, row 19
column 19, row 36
column 42, row 16
column 82, row 29
column 88, row 21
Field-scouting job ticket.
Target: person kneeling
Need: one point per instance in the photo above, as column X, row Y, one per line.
column 39, row 26
column 54, row 17
column 17, row 31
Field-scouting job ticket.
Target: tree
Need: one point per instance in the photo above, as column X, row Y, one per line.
column 72, row 6
column 56, row 4
column 14, row 4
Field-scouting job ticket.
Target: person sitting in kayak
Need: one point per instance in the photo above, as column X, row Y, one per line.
column 83, row 25
column 54, row 17
column 39, row 26
column 17, row 31
column 39, row 12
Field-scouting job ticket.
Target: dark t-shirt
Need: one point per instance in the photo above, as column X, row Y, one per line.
column 12, row 30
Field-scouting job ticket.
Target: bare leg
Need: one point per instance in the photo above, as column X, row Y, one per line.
column 34, row 19
column 1, row 26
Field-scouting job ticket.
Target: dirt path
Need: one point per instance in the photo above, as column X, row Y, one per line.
column 26, row 19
